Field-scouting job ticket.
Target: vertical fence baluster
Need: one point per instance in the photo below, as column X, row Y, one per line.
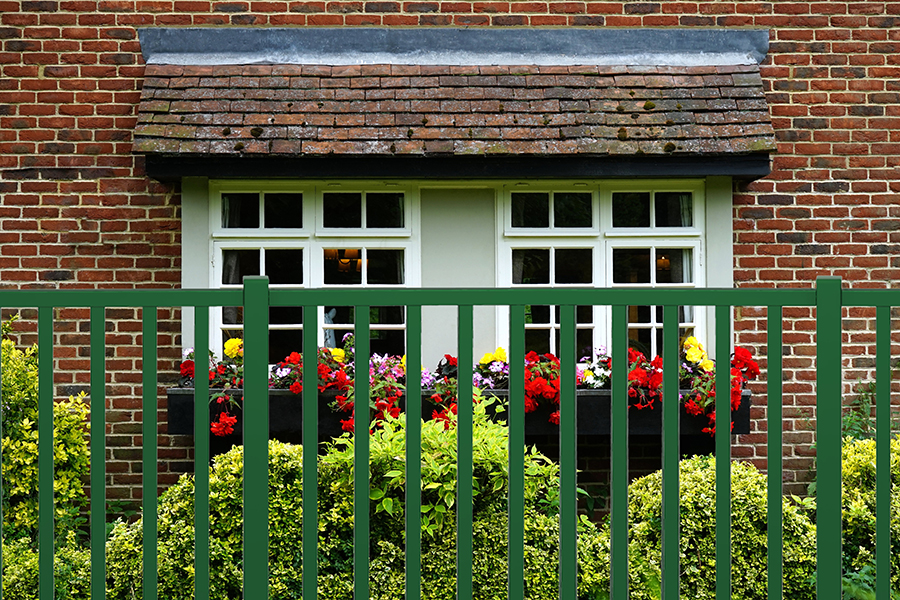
column 464, row 456
column 883, row 453
column 619, row 456
column 568, row 436
column 671, row 408
column 361, row 457
column 774, row 427
column 201, row 453
column 98, row 453
column 149, row 457
column 310, row 454
column 516, row 408
column 45, row 452
column 828, row 438
column 256, row 438
column 723, row 452
column 413, row 452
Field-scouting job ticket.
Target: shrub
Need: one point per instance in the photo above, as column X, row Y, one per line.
column 20, row 448
column 72, row 570
column 335, row 561
column 858, row 509
column 697, row 543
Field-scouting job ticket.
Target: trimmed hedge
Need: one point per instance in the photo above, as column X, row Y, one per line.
column 176, row 539
column 698, row 551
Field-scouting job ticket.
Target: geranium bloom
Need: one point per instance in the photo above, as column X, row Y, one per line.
column 224, row 426
column 187, row 368
column 297, row 387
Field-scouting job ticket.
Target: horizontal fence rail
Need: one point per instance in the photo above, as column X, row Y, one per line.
column 256, row 297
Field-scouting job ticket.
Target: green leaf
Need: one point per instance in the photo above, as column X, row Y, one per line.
column 388, row 505
column 376, row 494
column 392, row 474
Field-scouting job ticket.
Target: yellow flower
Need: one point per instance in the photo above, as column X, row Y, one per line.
column 707, row 365
column 500, row 354
column 234, row 347
column 588, row 373
column 338, row 354
column 692, row 342
column 694, row 354
column 403, row 363
column 487, row 359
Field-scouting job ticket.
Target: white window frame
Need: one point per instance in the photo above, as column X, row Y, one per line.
column 603, row 240
column 313, row 238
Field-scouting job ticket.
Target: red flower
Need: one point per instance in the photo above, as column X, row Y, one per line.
column 212, row 375
column 293, row 358
column 692, row 407
column 554, row 417
column 451, row 360
column 224, row 426
column 297, row 387
column 347, row 425
column 187, row 368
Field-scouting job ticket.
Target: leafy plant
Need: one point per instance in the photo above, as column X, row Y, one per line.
column 20, row 448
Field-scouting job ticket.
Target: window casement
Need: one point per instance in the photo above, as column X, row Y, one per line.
column 603, row 234
column 328, row 235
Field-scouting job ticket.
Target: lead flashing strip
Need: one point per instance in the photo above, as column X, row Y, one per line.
column 443, row 46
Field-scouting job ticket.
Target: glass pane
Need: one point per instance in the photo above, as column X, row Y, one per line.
column 673, row 265
column 574, row 265
column 237, row 264
column 282, row 342
column 240, row 210
column 584, row 340
column 342, row 266
column 342, row 210
column 384, row 267
column 232, row 315
column 531, row 209
column 685, row 314
column 531, row 266
column 639, row 314
column 384, row 210
column 537, row 314
column 388, row 342
column 537, row 340
column 339, row 314
column 631, row 265
column 639, row 339
column 674, row 209
column 583, row 314
column 631, row 209
column 387, row 315
column 571, row 209
column 284, row 266
column 284, row 211
column 285, row 315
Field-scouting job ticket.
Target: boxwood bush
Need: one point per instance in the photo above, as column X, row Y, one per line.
column 858, row 509
column 335, row 561
column 698, row 522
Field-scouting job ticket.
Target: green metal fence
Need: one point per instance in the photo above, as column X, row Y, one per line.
column 256, row 297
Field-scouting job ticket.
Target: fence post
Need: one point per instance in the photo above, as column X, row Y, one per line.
column 256, row 437
column 828, row 438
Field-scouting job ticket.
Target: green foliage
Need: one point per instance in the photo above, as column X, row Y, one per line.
column 20, row 448
column 335, row 561
column 72, row 570
column 858, row 509
column 697, row 543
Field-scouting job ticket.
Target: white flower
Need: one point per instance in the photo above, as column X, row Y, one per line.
column 187, row 352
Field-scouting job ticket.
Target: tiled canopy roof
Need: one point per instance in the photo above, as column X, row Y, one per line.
column 383, row 110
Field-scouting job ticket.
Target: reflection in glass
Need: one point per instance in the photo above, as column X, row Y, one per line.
column 531, row 266
column 573, row 209
column 240, row 211
column 284, row 266
column 574, row 265
column 237, row 264
column 342, row 210
column 631, row 209
column 384, row 210
column 284, row 211
column 673, row 265
column 384, row 267
column 531, row 209
column 674, row 209
column 631, row 265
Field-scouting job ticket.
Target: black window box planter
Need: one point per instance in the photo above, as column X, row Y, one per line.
column 286, row 416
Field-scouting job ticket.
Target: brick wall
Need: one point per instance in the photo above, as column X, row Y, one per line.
column 77, row 210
